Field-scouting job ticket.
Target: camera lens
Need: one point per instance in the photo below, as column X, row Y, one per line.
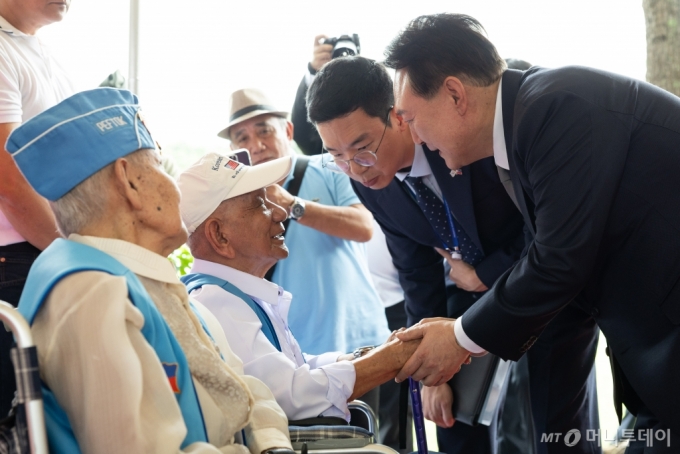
column 344, row 48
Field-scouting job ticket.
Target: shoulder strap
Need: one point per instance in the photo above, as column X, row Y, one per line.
column 293, row 189
column 298, row 173
column 197, row 280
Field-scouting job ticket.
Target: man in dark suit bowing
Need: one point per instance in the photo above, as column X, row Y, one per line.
column 593, row 161
column 421, row 206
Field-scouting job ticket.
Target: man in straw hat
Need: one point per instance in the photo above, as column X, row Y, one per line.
column 236, row 235
column 125, row 363
column 327, row 266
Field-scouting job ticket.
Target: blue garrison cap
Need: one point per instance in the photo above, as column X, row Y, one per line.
column 63, row 146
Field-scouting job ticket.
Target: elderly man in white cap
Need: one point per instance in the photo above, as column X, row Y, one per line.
column 236, row 235
column 327, row 267
column 126, row 364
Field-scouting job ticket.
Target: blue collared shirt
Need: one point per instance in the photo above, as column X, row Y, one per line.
column 341, row 310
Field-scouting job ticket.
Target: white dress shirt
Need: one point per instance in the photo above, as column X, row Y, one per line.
column 383, row 272
column 109, row 380
column 421, row 169
column 305, row 386
column 500, row 155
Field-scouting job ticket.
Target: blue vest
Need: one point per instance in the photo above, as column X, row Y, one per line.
column 65, row 257
column 197, row 280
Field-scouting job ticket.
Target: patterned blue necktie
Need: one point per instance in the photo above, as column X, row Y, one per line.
column 435, row 212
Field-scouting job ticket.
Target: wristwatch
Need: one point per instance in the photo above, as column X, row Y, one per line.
column 297, row 209
column 359, row 352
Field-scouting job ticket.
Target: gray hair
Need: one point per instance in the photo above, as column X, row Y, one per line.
column 87, row 201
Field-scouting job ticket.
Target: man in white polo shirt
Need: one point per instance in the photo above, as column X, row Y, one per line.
column 31, row 81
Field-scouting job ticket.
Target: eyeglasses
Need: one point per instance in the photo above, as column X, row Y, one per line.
column 364, row 158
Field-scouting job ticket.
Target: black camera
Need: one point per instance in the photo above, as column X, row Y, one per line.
column 344, row 45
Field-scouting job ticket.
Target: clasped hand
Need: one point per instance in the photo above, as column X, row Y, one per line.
column 438, row 357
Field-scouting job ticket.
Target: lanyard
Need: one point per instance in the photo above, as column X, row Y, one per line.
column 455, row 252
column 455, row 249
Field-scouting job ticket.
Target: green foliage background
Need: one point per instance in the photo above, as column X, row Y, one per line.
column 182, row 260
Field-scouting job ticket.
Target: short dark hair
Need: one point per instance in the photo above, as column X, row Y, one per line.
column 437, row 46
column 346, row 84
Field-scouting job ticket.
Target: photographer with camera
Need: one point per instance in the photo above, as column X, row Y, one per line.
column 325, row 49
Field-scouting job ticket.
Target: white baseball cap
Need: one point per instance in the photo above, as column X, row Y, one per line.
column 215, row 178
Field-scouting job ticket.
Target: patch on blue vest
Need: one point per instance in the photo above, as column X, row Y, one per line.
column 171, row 372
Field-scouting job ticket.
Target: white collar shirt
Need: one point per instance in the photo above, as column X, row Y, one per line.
column 500, row 150
column 139, row 260
column 421, row 168
column 304, row 385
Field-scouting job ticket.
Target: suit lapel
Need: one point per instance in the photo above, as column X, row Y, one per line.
column 457, row 192
column 511, row 84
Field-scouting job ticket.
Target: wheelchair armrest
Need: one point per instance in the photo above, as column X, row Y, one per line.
column 362, row 415
column 319, row 421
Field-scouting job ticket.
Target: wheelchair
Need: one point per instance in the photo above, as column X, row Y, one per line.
column 24, row 431
column 331, row 435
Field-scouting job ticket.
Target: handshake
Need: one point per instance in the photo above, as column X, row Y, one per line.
column 427, row 352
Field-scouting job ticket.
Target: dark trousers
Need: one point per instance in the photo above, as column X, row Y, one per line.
column 15, row 261
column 390, row 392
column 651, row 436
column 562, row 381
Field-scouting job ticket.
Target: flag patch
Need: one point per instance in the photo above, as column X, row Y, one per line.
column 231, row 164
column 171, row 372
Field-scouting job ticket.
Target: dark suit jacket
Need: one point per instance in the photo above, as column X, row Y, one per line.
column 595, row 164
column 481, row 206
column 305, row 134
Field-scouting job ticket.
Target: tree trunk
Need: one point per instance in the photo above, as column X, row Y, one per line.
column 662, row 19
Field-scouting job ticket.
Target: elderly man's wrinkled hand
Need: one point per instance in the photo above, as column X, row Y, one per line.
column 438, row 357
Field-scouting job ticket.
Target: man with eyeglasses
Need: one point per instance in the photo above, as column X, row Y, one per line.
column 327, row 263
column 426, row 210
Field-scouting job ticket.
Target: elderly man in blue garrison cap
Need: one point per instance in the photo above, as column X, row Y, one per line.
column 125, row 362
